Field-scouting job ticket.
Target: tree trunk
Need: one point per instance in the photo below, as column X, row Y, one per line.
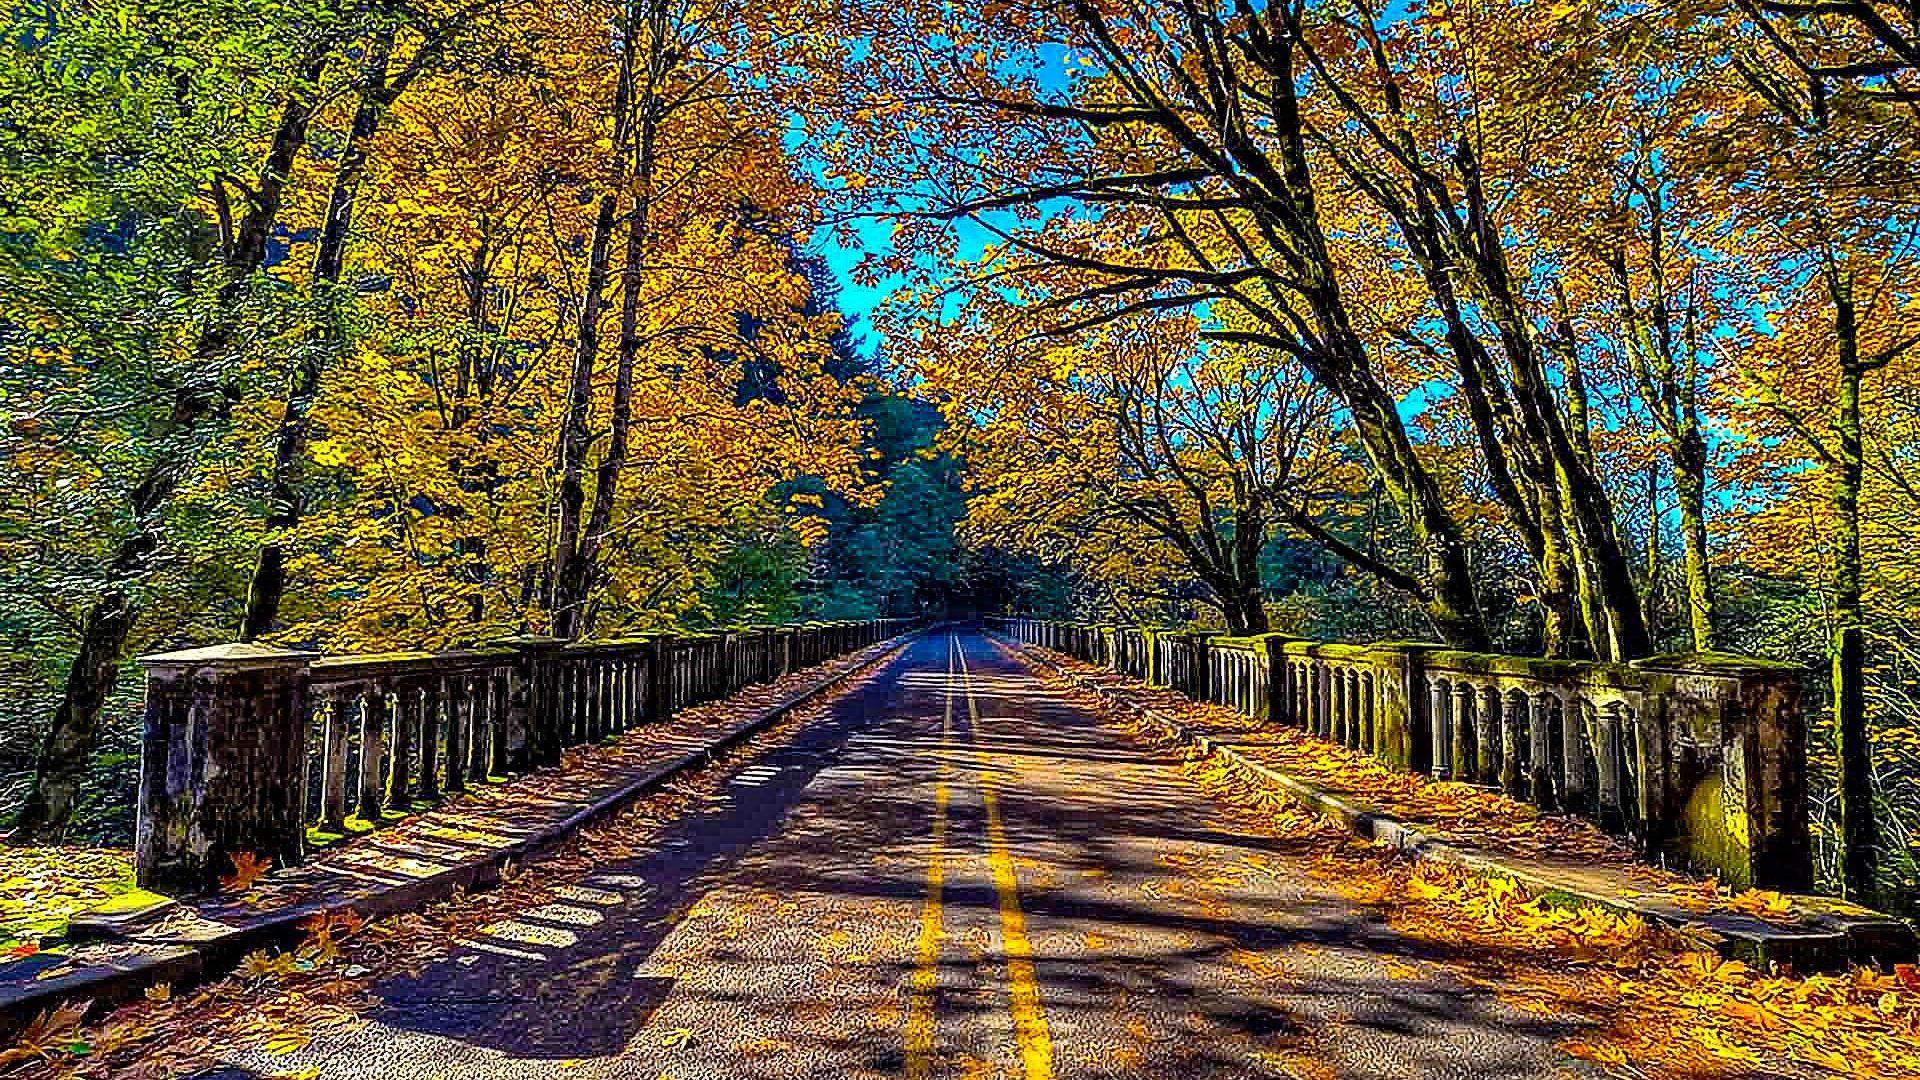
column 1249, row 536
column 567, row 591
column 1557, row 440
column 1341, row 363
column 1690, row 491
column 1451, row 602
column 68, row 748
column 1656, row 563
column 1859, row 831
column 633, row 274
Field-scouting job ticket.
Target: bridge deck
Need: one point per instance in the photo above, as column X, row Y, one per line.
column 953, row 872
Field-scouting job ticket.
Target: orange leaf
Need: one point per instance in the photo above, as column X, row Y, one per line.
column 248, row 868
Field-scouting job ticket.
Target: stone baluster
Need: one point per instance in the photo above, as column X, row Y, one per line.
column 1356, row 711
column 1545, row 760
column 1609, row 730
column 596, row 671
column 480, row 734
column 599, row 697
column 1370, row 729
column 636, row 687
column 406, row 728
column 1486, row 734
column 374, row 716
column 430, row 702
column 1576, row 795
column 1442, row 717
column 343, row 707
column 626, row 680
column 1464, row 754
column 1337, row 704
column 1319, row 698
column 660, row 677
column 457, row 706
column 1513, row 729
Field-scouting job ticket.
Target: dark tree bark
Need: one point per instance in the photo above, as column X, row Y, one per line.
column 268, row 585
column 1662, row 350
column 633, row 276
column 1223, row 98
column 1859, row 825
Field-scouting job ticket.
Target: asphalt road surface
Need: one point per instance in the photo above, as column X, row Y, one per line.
column 954, row 873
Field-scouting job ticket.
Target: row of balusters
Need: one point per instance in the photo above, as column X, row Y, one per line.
column 1560, row 752
column 380, row 745
column 1178, row 663
column 383, row 744
column 1238, row 678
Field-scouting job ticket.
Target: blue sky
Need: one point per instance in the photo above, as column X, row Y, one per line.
column 857, row 301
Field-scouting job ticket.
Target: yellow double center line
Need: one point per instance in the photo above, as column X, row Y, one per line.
column 1031, row 1036
column 1029, row 1022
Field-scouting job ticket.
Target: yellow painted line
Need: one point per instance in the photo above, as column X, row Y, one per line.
column 1029, row 1020
column 921, row 1030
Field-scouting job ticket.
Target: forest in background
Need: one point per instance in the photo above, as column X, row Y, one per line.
column 1579, row 330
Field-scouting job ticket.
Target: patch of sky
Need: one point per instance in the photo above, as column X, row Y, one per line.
column 862, row 232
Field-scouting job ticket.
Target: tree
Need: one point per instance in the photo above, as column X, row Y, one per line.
column 444, row 434
column 1835, row 84
column 290, row 282
column 1132, row 445
column 1292, row 166
column 384, row 77
column 199, row 126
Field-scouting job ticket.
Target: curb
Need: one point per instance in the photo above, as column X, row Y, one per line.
column 1825, row 941
column 186, row 965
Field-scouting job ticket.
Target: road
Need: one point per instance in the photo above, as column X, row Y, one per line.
column 956, row 872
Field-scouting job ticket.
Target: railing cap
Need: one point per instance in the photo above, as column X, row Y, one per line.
column 1406, row 646
column 236, row 654
column 1253, row 641
column 1718, row 663
column 529, row 641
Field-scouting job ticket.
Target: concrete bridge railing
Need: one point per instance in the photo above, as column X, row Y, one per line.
column 246, row 748
column 1699, row 758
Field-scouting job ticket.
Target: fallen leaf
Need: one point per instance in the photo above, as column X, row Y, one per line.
column 248, row 868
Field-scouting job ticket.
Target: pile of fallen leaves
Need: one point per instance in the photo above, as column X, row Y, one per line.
column 278, row 1002
column 1648, row 997
column 42, row 887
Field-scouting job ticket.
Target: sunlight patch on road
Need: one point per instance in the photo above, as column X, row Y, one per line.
column 521, row 933
column 501, row 950
column 565, row 915
column 581, row 894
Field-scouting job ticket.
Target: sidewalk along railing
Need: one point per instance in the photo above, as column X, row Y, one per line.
column 1700, row 758
column 264, row 751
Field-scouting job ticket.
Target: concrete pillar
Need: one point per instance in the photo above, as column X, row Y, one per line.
column 534, row 699
column 223, row 763
column 1733, row 791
